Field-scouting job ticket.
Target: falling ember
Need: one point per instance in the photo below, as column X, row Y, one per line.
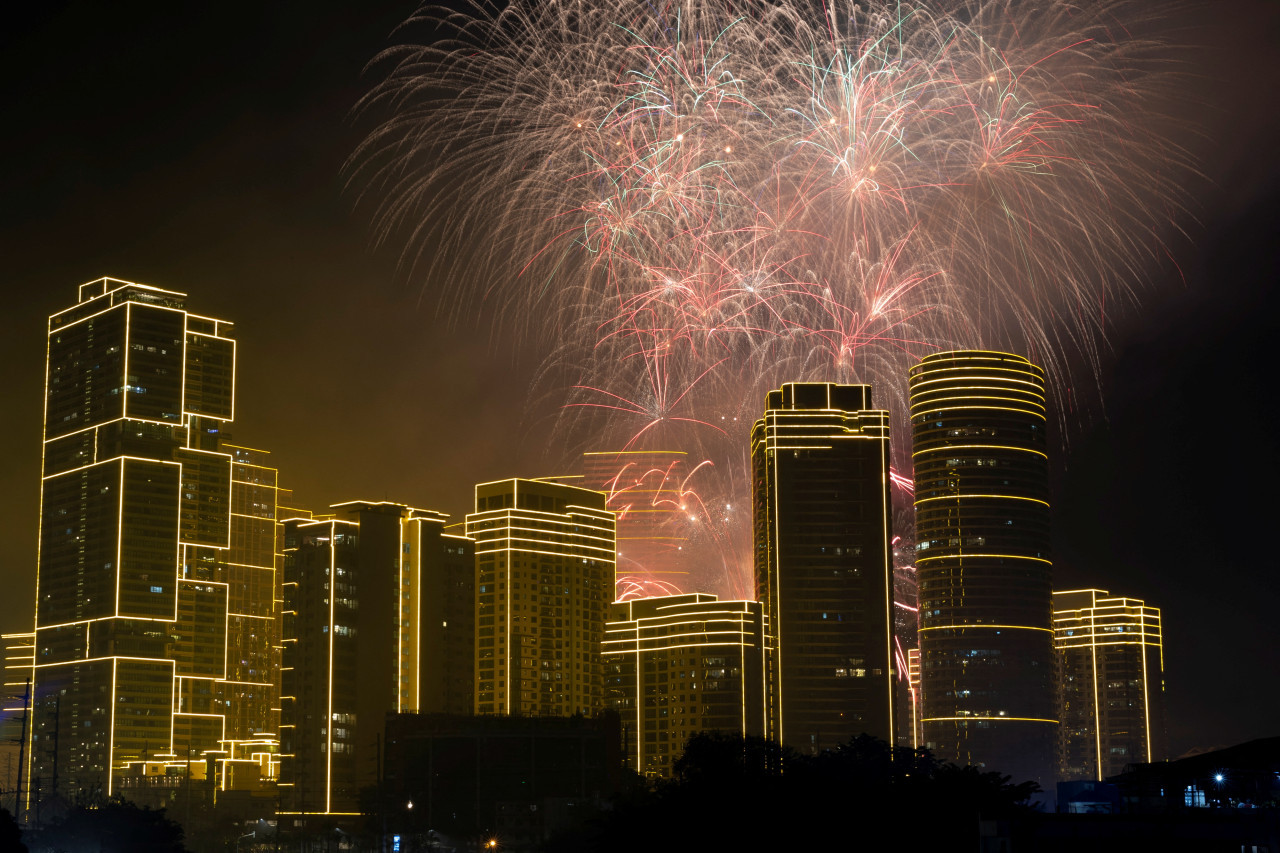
column 878, row 205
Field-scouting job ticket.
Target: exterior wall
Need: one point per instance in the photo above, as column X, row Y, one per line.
column 983, row 562
column 367, row 602
column 251, row 689
column 134, row 527
column 679, row 665
column 545, row 556
column 821, row 510
column 1111, row 683
column 320, row 687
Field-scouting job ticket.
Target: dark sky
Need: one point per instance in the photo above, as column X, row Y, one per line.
column 198, row 148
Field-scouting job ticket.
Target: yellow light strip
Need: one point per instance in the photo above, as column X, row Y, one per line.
column 969, row 496
column 989, row 719
column 973, row 626
column 968, row 556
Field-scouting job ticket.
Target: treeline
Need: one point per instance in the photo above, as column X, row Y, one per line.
column 735, row 793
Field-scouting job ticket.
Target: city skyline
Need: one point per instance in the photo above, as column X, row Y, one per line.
column 332, row 312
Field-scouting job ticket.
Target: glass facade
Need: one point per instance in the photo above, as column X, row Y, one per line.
column 132, row 594
column 983, row 562
column 823, row 569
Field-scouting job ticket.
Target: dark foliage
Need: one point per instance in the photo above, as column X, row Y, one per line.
column 115, row 826
column 10, row 833
column 731, row 793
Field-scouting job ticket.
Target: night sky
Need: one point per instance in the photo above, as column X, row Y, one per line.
column 199, row 148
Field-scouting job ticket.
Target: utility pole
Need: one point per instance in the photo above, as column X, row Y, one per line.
column 22, row 753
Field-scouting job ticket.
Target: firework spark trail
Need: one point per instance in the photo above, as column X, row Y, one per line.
column 692, row 202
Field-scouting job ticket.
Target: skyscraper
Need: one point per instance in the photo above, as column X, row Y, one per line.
column 1111, row 682
column 377, row 620
column 983, row 562
column 251, row 690
column 131, row 596
column 545, row 555
column 678, row 665
column 820, row 503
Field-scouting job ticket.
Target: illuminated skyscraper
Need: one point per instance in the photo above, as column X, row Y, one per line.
column 1111, row 678
column 377, row 610
column 131, row 600
column 820, row 490
column 983, row 562
column 682, row 664
column 545, row 557
column 251, row 690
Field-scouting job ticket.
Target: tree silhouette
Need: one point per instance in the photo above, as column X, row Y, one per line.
column 115, row 826
column 733, row 793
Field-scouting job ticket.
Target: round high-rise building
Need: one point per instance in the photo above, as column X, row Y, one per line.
column 978, row 431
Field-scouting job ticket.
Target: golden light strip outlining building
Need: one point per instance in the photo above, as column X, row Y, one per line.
column 823, row 564
column 1111, row 683
column 913, row 684
column 545, row 562
column 983, row 562
column 250, row 691
column 133, row 531
column 679, row 665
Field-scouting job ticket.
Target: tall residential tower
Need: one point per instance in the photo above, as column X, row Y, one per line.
column 132, row 593
column 983, row 562
column 1111, row 682
column 545, row 555
column 377, row 620
column 678, row 665
column 823, row 570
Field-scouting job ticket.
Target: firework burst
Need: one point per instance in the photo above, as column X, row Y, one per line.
column 690, row 202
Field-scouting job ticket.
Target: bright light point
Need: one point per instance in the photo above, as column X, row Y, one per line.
column 579, row 124
column 679, row 137
column 1218, row 777
column 728, row 149
column 991, row 78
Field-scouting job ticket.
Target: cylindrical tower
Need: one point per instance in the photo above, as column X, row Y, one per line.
column 983, row 562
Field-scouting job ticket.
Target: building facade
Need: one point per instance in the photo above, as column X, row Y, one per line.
column 377, row 620
column 251, row 690
column 823, row 569
column 682, row 664
column 1111, row 683
column 545, row 561
column 132, row 591
column 983, row 562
